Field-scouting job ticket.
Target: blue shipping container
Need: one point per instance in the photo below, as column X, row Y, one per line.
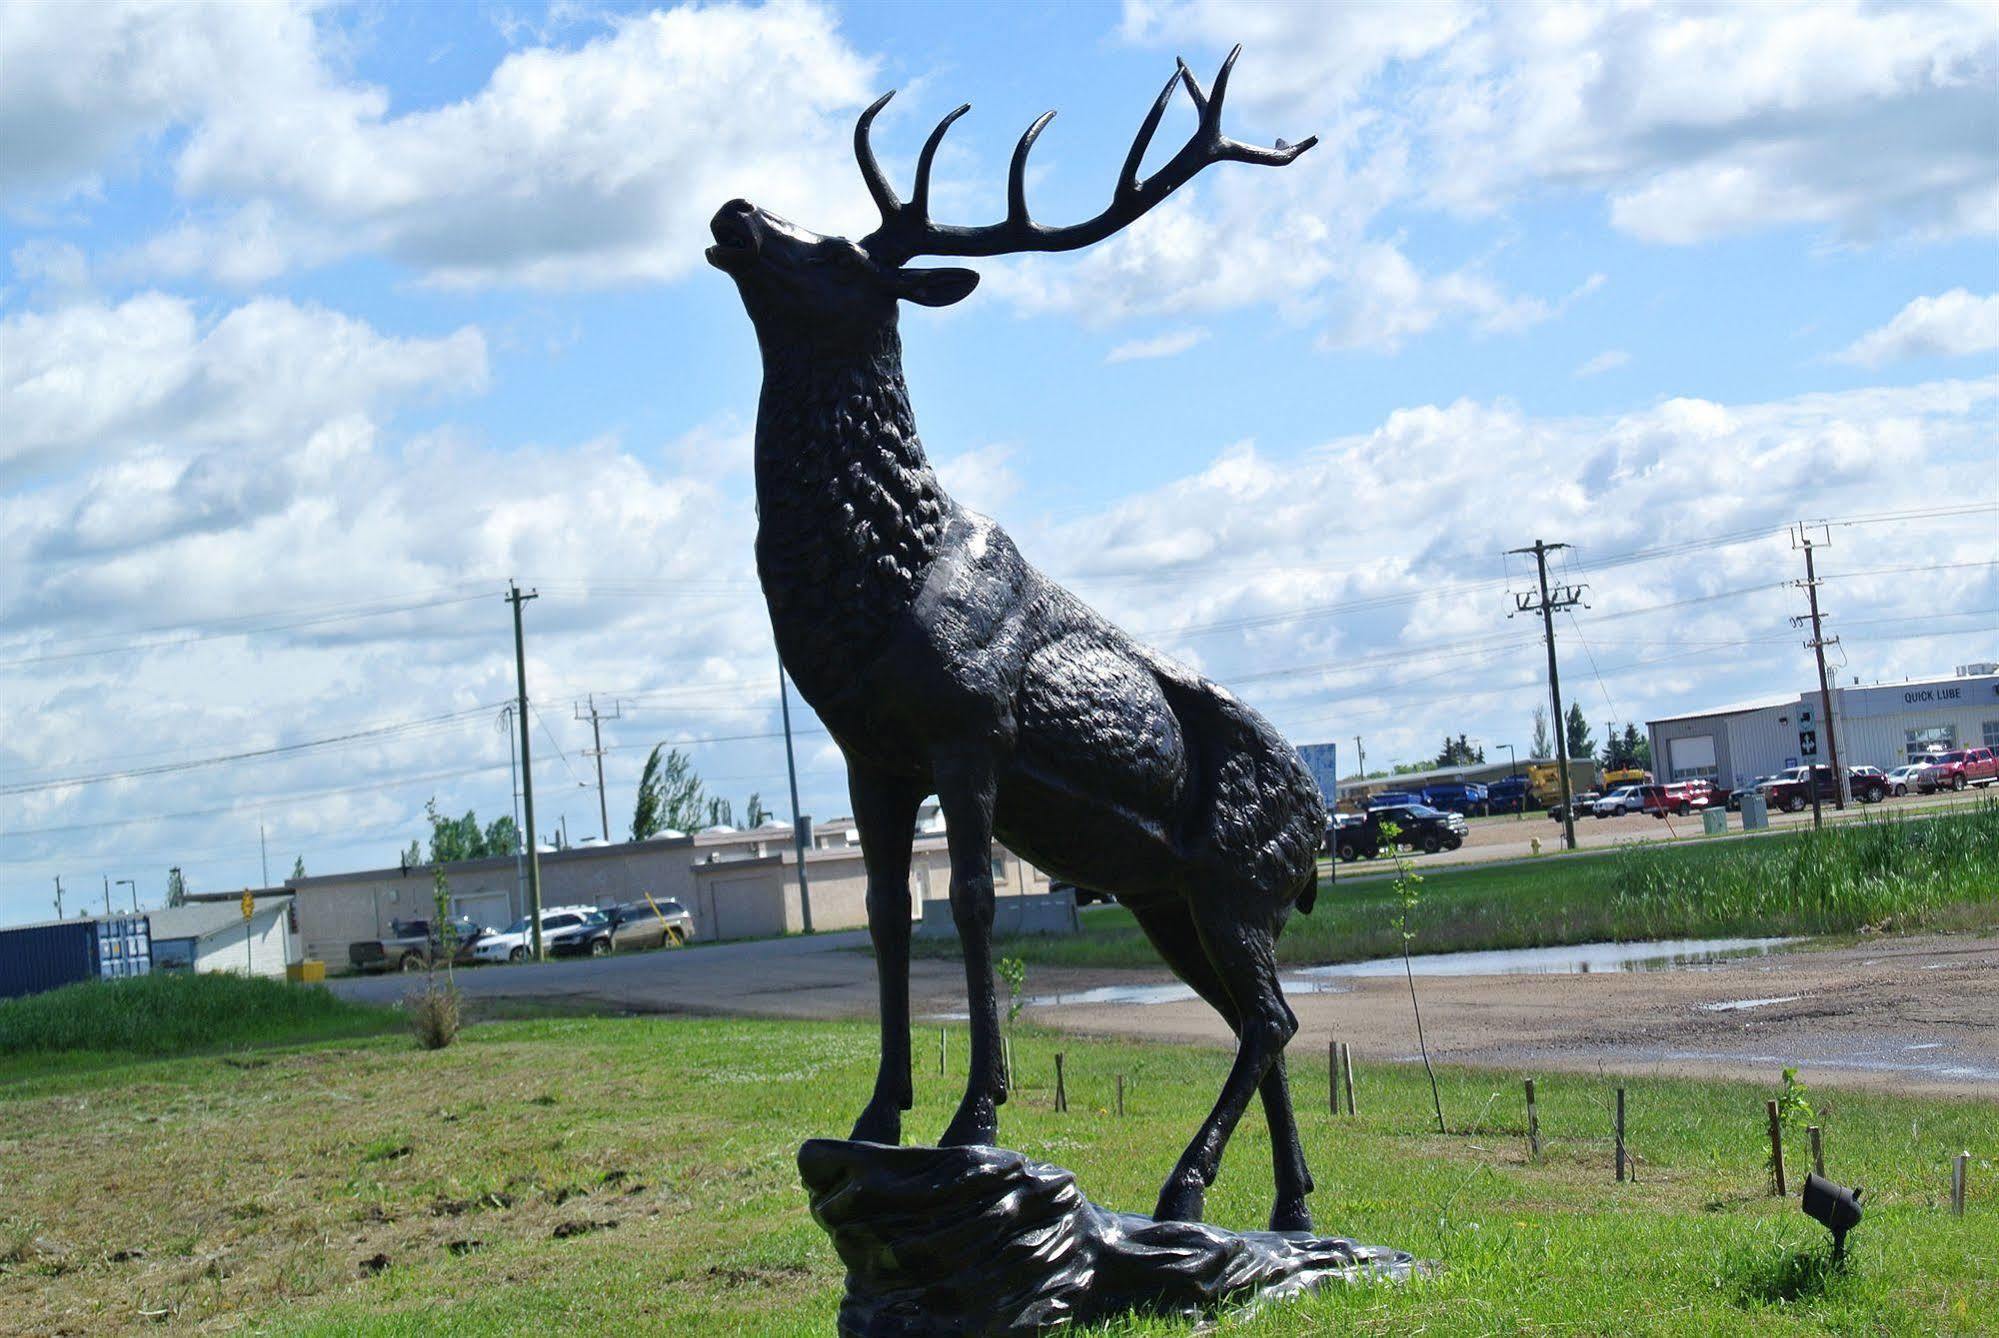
column 46, row 957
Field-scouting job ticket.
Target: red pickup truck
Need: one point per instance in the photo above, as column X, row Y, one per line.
column 1792, row 790
column 1965, row 766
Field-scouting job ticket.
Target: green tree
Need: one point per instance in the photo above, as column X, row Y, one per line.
column 1459, row 752
column 413, row 856
column 176, row 888
column 1637, row 748
column 503, row 837
column 1543, row 745
column 670, row 795
column 1582, row 744
column 453, row 839
column 298, row 866
column 755, row 814
column 721, row 813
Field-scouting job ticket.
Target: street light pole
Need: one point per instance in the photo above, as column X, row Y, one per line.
column 1513, row 773
column 127, row 882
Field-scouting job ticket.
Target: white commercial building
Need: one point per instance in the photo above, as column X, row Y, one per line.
column 212, row 935
column 1883, row 725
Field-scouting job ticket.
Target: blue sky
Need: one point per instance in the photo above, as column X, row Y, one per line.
column 315, row 315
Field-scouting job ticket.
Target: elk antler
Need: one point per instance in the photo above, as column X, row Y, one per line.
column 906, row 229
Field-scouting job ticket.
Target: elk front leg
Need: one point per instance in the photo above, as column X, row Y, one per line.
column 966, row 789
column 885, row 810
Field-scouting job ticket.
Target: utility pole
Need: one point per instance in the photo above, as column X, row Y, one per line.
column 58, row 896
column 1801, row 537
column 797, row 820
column 597, row 734
column 263, row 852
column 1565, row 597
column 107, row 896
column 1361, row 755
column 506, row 724
column 516, row 598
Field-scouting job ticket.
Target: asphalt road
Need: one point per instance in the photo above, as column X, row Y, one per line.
column 1918, row 1014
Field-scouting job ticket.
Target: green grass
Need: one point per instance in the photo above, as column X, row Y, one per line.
column 178, row 1013
column 201, row 1193
column 1902, row 873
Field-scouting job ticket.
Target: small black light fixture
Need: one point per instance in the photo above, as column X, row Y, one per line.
column 1834, row 1207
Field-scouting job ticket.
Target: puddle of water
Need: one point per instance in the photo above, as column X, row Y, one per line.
column 1569, row 959
column 1141, row 995
column 1734, row 1005
column 1859, row 1063
column 1926, row 1045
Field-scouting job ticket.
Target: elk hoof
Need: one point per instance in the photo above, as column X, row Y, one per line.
column 878, row 1124
column 1181, row 1200
column 1291, row 1215
column 975, row 1125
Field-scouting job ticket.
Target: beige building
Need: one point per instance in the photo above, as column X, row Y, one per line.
column 736, row 884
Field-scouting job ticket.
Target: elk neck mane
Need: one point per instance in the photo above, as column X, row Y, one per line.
column 849, row 512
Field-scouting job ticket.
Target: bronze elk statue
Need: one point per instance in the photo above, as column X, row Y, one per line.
column 943, row 663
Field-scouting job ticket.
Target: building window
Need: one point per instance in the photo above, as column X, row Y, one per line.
column 1992, row 734
column 1930, row 739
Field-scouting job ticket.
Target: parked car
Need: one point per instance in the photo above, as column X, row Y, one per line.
column 1906, row 779
column 1679, row 799
column 1508, row 794
column 1389, row 798
column 413, row 945
column 1084, row 895
column 516, row 944
column 1463, row 797
column 1583, row 804
column 1417, row 825
column 1963, row 767
column 594, row 936
column 645, row 924
column 1624, row 799
column 1755, row 786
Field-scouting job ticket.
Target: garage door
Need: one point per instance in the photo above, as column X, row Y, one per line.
column 1692, row 757
column 494, row 910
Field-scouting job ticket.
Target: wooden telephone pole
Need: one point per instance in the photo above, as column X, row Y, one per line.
column 1801, row 537
column 1548, row 605
column 516, row 598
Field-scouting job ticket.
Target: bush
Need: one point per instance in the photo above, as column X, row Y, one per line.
column 177, row 1013
column 433, row 1014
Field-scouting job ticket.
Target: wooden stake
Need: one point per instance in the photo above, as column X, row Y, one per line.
column 943, row 1048
column 1818, row 1150
column 1620, row 1135
column 1120, row 1096
column 1006, row 1058
column 1333, row 1076
column 1959, row 1170
column 1061, row 1086
column 1776, row 1145
column 1346, row 1070
column 1533, row 1124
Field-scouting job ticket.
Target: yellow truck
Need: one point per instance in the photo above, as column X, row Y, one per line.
column 1544, row 780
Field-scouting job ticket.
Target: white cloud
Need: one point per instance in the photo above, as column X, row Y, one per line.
column 1699, row 122
column 92, row 377
column 1168, row 345
column 1607, row 361
column 1950, row 325
column 598, row 163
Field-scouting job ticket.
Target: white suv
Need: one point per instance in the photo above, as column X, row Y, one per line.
column 516, row 944
column 1624, row 799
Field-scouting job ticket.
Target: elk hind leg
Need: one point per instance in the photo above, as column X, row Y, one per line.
column 885, row 810
column 1243, row 958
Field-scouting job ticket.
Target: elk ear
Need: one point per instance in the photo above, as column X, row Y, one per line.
column 935, row 287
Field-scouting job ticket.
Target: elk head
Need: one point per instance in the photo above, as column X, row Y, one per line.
column 796, row 283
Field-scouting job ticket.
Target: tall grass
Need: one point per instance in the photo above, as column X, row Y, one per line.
column 176, row 1013
column 1890, row 873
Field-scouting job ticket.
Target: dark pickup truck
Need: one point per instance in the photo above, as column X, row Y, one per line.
column 412, row 946
column 1417, row 825
column 1792, row 790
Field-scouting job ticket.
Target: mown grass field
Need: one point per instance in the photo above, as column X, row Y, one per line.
column 1926, row 872
column 586, row 1175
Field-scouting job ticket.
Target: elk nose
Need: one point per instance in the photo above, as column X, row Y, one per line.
column 739, row 207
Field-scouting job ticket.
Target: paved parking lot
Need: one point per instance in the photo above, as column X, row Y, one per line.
column 1506, row 837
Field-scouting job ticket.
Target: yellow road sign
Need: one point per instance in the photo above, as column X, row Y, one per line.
column 249, row 904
